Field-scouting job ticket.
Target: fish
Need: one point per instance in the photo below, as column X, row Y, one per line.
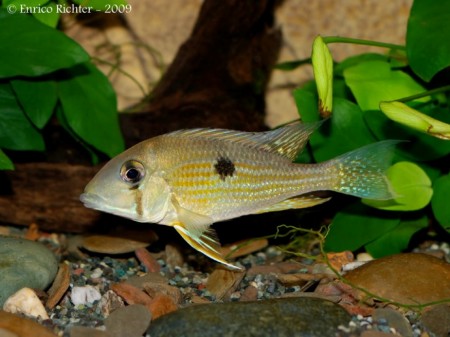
column 190, row 179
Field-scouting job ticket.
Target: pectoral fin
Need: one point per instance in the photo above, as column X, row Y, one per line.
column 194, row 228
column 294, row 203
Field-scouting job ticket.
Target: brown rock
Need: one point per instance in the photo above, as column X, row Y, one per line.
column 147, row 260
column 161, row 305
column 250, row 294
column 223, row 282
column 83, row 331
column 298, row 279
column 405, row 278
column 395, row 320
column 131, row 320
column 59, row 286
column 278, row 268
column 437, row 320
column 173, row 256
column 131, row 294
column 109, row 302
column 153, row 289
column 243, row 248
column 23, row 327
column 105, row 244
column 139, row 281
column 337, row 260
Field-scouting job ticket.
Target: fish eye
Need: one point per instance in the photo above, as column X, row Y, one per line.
column 132, row 172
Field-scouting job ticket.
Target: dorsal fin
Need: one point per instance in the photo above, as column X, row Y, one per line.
column 287, row 140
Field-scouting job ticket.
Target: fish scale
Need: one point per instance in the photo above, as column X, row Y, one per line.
column 190, row 179
column 257, row 182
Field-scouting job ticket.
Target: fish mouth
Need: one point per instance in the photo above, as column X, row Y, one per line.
column 93, row 201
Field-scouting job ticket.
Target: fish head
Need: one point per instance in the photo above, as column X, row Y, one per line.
column 129, row 186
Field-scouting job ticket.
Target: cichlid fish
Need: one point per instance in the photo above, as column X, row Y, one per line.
column 190, row 179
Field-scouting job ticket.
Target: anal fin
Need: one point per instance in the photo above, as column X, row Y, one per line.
column 205, row 244
column 294, row 203
column 195, row 229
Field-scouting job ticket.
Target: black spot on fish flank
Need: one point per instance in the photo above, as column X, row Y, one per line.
column 224, row 167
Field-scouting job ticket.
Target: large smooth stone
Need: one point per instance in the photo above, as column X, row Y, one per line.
column 287, row 317
column 410, row 278
column 24, row 263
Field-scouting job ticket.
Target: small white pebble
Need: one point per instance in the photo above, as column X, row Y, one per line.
column 25, row 301
column 352, row 265
column 84, row 295
column 364, row 257
column 97, row 273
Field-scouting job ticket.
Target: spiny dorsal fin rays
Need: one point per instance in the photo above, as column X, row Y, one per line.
column 287, row 140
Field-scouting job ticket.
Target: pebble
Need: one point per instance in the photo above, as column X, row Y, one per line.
column 7, row 333
column 82, row 331
column 24, row 264
column 300, row 317
column 109, row 302
column 437, row 320
column 222, row 282
column 59, row 286
column 147, row 259
column 394, row 319
column 130, row 321
column 105, row 244
column 84, row 295
column 174, row 257
column 25, row 301
column 410, row 278
column 21, row 327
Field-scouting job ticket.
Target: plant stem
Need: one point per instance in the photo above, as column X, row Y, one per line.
column 339, row 39
column 425, row 94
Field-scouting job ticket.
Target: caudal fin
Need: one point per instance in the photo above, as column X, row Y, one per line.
column 361, row 172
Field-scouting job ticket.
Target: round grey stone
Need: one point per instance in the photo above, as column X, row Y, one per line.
column 24, row 263
column 130, row 321
column 287, row 317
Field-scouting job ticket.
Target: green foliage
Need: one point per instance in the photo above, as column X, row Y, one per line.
column 427, row 37
column 43, row 71
column 411, row 110
column 412, row 188
column 440, row 202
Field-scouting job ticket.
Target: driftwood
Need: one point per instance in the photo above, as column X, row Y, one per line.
column 217, row 79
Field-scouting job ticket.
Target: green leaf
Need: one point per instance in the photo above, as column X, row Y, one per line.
column 5, row 162
column 373, row 81
column 34, row 49
column 92, row 111
column 420, row 146
column 357, row 225
column 412, row 186
column 100, row 4
column 49, row 16
column 396, row 240
column 345, row 131
column 401, row 113
column 38, row 99
column 16, row 131
column 322, row 63
column 427, row 37
column 357, row 59
column 440, row 202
